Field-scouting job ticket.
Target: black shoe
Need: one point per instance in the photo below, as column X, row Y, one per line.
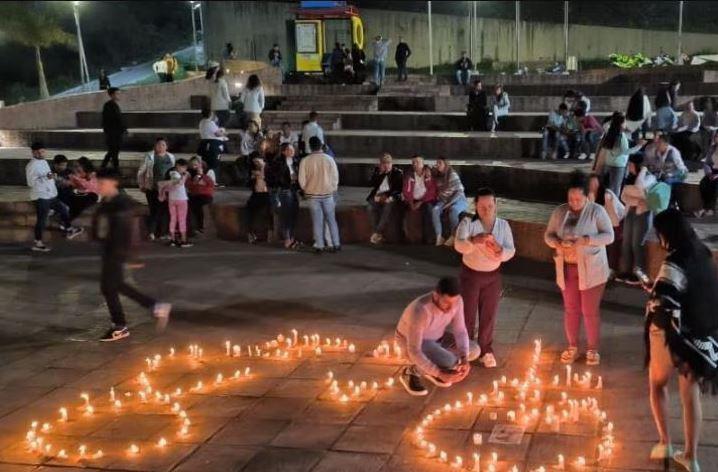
column 318, row 250
column 115, row 334
column 412, row 383
column 632, row 280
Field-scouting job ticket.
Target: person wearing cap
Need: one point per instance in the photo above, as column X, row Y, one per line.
column 113, row 125
column 485, row 242
column 386, row 186
column 43, row 192
column 432, row 335
column 115, row 226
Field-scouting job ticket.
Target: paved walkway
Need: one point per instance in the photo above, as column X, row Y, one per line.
column 283, row 416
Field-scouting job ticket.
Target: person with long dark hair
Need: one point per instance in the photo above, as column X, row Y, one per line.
column 253, row 99
column 617, row 151
column 501, row 105
column 450, row 199
column 681, row 333
column 666, row 106
column 579, row 231
column 285, row 180
column 638, row 113
column 220, row 100
column 708, row 185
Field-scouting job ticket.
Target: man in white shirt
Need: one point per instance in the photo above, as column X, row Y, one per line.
column 485, row 242
column 319, row 179
column 43, row 192
column 287, row 136
column 432, row 335
column 310, row 130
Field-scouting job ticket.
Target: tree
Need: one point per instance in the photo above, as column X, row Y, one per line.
column 34, row 26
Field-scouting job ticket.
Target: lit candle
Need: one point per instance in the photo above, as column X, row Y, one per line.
column 112, row 394
column 172, row 352
column 117, row 404
column 561, row 462
column 477, row 462
column 63, row 414
column 568, row 375
column 511, row 416
column 494, row 457
column 295, row 336
column 581, row 462
column 62, row 454
column 98, row 454
column 219, row 379
column 458, row 462
column 133, row 449
column 162, row 443
column 478, row 439
column 89, row 410
column 228, row 348
column 81, row 450
column 469, row 397
column 86, row 397
column 46, row 427
column 443, row 457
column 599, row 384
column 352, row 348
column 556, row 381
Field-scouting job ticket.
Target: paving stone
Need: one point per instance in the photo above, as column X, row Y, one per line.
column 350, row 462
column 374, row 439
column 308, row 435
column 279, row 408
column 388, row 414
column 225, row 406
column 216, row 458
column 329, row 412
column 283, row 460
column 134, row 427
column 249, row 432
column 298, row 388
column 151, row 458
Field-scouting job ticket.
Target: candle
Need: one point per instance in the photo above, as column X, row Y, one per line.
column 295, row 336
column 599, row 384
column 86, row 397
column 494, row 457
column 219, row 379
column 117, row 404
column 133, row 449
column 183, row 430
column 568, row 375
column 469, row 397
column 63, row 414
column 352, row 349
column 89, row 410
column 443, row 456
column 112, row 394
column 62, row 454
column 477, row 462
column 581, row 462
column 172, row 352
column 458, row 462
column 511, row 416
column 561, row 462
column 478, row 439
column 496, row 388
column 98, row 454
column 46, row 427
column 162, row 443
column 81, row 450
column 556, row 381
column 228, row 348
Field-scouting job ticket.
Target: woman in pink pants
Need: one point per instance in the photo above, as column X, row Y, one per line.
column 579, row 232
column 177, row 199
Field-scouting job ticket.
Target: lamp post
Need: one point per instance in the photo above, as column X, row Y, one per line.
column 431, row 43
column 679, row 57
column 84, row 74
column 565, row 34
column 192, row 6
column 518, row 36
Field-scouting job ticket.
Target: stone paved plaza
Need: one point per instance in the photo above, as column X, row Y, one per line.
column 283, row 416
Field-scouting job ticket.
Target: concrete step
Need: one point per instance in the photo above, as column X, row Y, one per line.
column 525, row 179
column 330, row 102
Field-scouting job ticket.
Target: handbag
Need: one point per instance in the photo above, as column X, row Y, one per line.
column 658, row 197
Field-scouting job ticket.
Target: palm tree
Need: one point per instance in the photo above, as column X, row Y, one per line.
column 35, row 27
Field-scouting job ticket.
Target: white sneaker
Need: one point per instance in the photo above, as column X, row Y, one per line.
column 488, row 360
column 449, row 242
column 593, row 357
column 161, row 313
column 582, row 156
column 375, row 238
column 474, row 351
column 39, row 246
column 710, row 212
column 699, row 213
column 661, row 451
column 439, row 240
column 690, row 465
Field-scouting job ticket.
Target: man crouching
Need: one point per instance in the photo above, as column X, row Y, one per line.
column 439, row 355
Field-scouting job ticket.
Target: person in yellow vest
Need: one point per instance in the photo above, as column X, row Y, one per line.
column 171, row 67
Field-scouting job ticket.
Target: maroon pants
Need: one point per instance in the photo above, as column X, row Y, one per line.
column 481, row 292
column 581, row 303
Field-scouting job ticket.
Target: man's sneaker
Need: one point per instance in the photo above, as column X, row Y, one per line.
column 689, row 465
column 115, row 334
column 251, row 238
column 593, row 357
column 449, row 242
column 632, row 279
column 376, row 238
column 186, row 244
column 569, row 356
column 39, row 246
column 440, row 241
column 488, row 360
column 583, row 156
column 412, row 383
column 699, row 213
column 437, row 381
column 161, row 313
column 73, row 232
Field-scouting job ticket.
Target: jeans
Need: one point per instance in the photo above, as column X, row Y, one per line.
column 456, row 209
column 635, row 228
column 462, row 77
column 401, row 71
column 578, row 303
column 666, row 119
column 258, row 204
column 322, row 211
column 196, row 207
column 112, row 284
column 158, row 218
column 615, row 178
column 42, row 210
column 178, row 216
column 481, row 292
column 223, row 117
column 114, row 142
column 590, row 142
column 288, row 211
column 380, row 214
column 426, row 210
column 553, row 141
column 379, row 70
column 709, row 191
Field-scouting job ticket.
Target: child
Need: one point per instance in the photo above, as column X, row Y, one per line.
column 177, row 202
column 200, row 186
column 259, row 201
column 43, row 192
column 114, row 225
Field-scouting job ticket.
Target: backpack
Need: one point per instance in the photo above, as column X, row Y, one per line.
column 658, row 197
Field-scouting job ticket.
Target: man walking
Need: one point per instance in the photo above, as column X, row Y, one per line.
column 441, row 356
column 319, row 179
column 43, row 192
column 485, row 242
column 402, row 54
column 381, row 49
column 113, row 125
column 115, row 225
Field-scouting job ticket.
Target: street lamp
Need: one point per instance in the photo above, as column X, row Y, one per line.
column 84, row 73
column 194, row 5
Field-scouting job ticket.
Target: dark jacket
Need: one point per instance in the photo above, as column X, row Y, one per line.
column 396, row 183
column 274, row 54
column 115, row 225
column 281, row 179
column 104, row 82
column 666, row 97
column 402, row 53
column 113, row 123
column 464, row 64
column 478, row 100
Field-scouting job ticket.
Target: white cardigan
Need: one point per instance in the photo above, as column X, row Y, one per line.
column 253, row 100
column 219, row 93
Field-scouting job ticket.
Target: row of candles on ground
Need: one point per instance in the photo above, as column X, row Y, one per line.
column 587, row 408
column 36, row 436
column 355, row 390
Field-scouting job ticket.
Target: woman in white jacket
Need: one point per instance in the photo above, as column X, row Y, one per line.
column 221, row 101
column 637, row 222
column 253, row 99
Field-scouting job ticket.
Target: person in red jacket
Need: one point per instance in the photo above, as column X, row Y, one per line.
column 200, row 189
column 419, row 194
